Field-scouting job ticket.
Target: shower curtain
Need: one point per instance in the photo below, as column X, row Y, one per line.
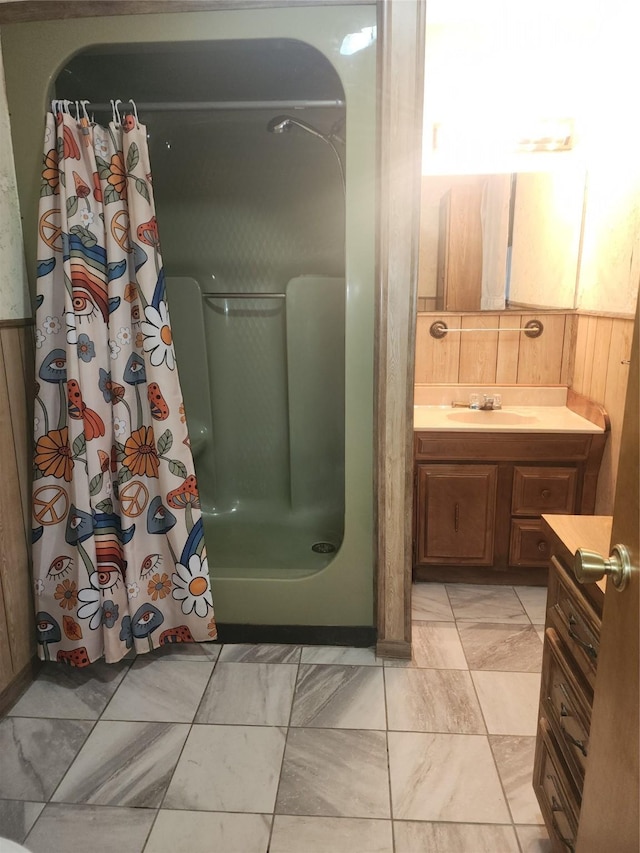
column 118, row 548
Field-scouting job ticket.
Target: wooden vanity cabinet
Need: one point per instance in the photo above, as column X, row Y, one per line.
column 569, row 663
column 479, row 498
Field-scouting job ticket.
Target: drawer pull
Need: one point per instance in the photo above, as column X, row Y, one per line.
column 560, row 836
column 557, row 807
column 589, row 649
column 542, row 546
column 456, row 517
column 578, row 743
column 565, row 690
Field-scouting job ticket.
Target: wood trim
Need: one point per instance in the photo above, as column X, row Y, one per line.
column 393, row 649
column 587, row 409
column 512, row 576
column 51, row 10
column 17, row 324
column 530, row 306
column 401, row 72
column 610, row 314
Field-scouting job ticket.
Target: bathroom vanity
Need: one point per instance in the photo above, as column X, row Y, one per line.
column 570, row 657
column 483, row 479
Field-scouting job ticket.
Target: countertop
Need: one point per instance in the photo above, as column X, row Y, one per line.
column 540, row 409
column 507, row 419
column 592, row 532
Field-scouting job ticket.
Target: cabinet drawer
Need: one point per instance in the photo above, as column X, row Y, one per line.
column 566, row 707
column 575, row 622
column 538, row 490
column 556, row 796
column 529, row 545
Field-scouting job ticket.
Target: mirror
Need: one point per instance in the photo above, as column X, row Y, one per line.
column 489, row 242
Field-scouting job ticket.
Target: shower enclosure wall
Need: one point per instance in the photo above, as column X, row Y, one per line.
column 269, row 264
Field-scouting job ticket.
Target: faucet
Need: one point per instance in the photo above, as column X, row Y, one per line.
column 480, row 401
column 491, row 403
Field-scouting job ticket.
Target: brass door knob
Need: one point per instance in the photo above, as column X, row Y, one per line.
column 589, row 567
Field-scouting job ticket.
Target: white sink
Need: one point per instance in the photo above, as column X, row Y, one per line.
column 487, row 417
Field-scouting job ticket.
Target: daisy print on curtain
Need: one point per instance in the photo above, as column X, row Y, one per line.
column 118, row 547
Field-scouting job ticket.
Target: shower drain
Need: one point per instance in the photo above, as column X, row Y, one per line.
column 323, row 547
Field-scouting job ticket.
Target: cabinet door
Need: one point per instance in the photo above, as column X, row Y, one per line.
column 456, row 507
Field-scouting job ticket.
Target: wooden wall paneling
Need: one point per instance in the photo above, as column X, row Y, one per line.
column 601, row 341
column 614, row 398
column 508, row 347
column 539, row 359
column 437, row 359
column 423, row 351
column 478, row 350
column 590, row 325
column 445, row 354
column 568, row 351
column 18, row 388
column 14, row 555
column 580, row 355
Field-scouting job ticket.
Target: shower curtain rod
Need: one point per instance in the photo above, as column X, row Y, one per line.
column 184, row 106
column 210, row 294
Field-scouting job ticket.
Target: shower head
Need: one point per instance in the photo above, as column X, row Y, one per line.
column 278, row 124
column 284, row 123
column 281, row 124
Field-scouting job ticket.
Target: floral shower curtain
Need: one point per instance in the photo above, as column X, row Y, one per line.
column 118, row 547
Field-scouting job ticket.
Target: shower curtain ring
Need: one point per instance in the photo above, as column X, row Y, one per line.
column 135, row 112
column 65, row 107
column 115, row 112
column 85, row 115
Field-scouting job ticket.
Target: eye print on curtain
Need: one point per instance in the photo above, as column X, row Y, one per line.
column 118, row 545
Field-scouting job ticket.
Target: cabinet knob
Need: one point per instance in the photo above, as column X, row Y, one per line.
column 542, row 545
column 545, row 493
column 589, row 566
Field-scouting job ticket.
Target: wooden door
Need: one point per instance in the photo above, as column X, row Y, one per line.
column 609, row 814
column 459, row 279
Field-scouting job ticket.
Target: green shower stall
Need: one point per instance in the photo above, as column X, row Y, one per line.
column 261, row 126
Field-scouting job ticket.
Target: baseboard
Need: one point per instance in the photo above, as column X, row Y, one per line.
column 481, row 575
column 301, row 635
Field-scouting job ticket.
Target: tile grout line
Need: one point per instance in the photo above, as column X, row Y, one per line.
column 284, row 750
column 388, row 754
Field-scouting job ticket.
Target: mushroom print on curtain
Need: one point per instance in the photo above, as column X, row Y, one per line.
column 118, row 547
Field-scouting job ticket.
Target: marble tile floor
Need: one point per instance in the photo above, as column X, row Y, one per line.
column 290, row 749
